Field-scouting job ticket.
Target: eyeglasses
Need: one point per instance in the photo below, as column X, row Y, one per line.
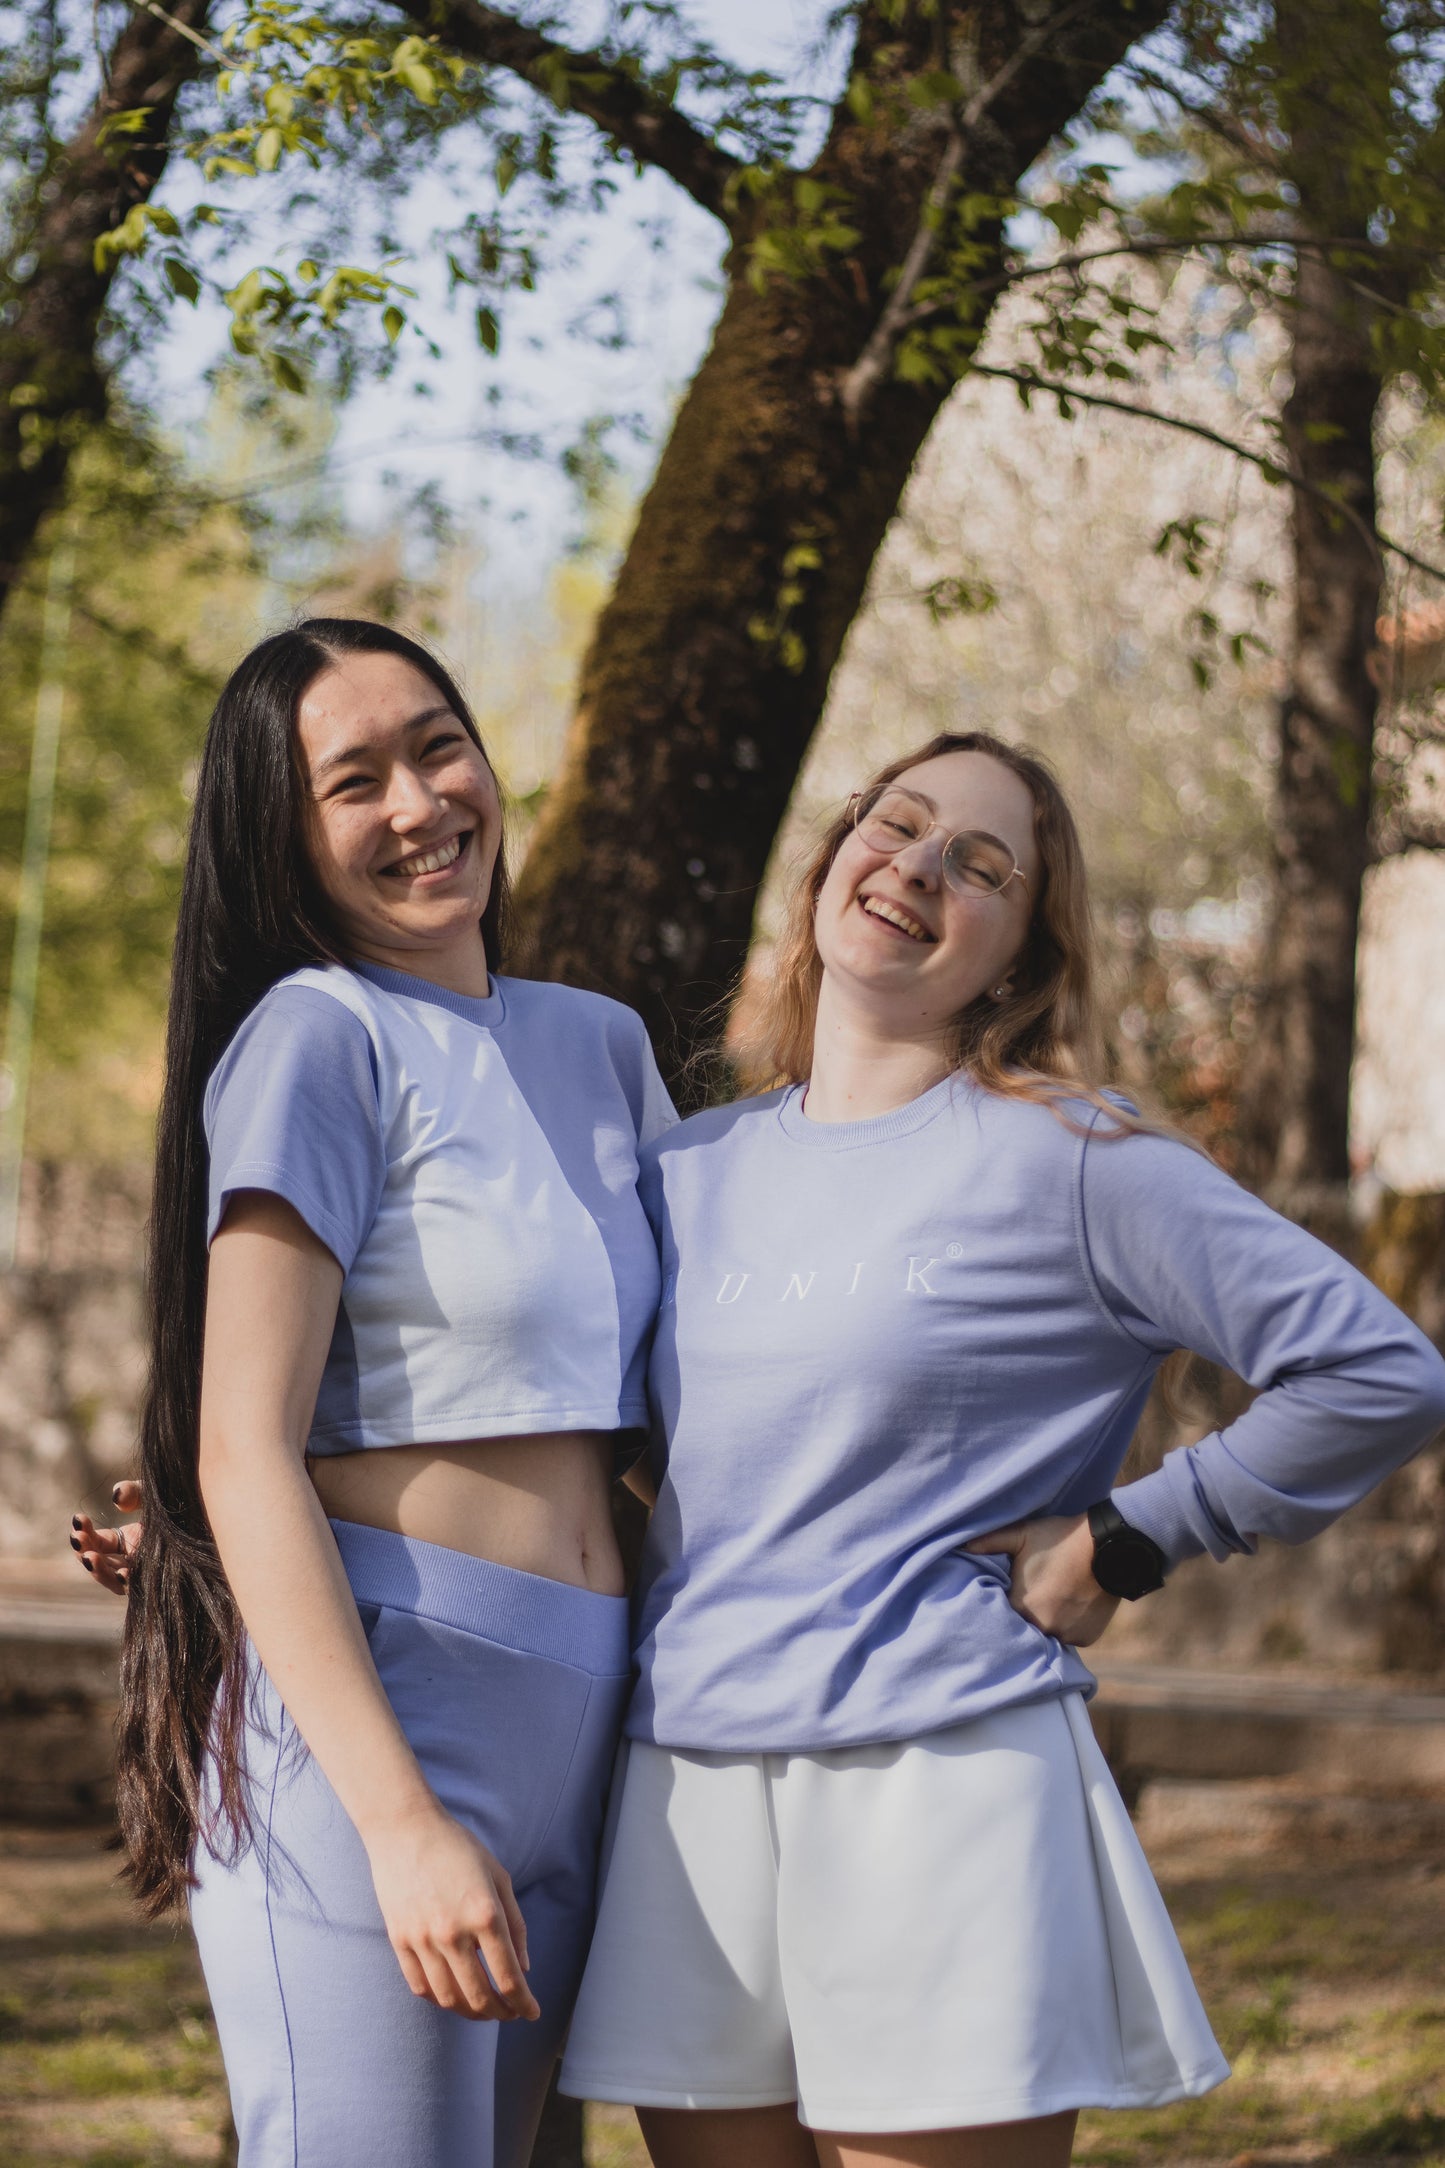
column 974, row 862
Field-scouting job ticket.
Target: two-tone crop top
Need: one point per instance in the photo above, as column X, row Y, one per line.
column 472, row 1166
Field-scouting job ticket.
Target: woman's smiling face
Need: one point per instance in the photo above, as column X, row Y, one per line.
column 893, row 932
column 405, row 818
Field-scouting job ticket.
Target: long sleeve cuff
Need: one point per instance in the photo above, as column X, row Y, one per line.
column 1170, row 1508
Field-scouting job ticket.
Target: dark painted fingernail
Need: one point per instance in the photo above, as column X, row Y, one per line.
column 124, row 1578
column 75, row 1520
column 75, row 1543
column 115, row 1493
column 89, row 1564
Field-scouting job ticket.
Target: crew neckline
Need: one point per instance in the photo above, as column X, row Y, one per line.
column 487, row 1010
column 878, row 1128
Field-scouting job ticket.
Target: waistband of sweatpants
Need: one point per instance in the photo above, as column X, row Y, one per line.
column 522, row 1611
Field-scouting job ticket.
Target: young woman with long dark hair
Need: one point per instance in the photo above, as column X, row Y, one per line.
column 400, row 1283
column 872, row 1897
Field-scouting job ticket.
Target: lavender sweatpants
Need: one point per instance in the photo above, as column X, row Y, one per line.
column 510, row 1689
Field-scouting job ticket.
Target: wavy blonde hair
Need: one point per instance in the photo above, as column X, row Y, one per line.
column 1042, row 1041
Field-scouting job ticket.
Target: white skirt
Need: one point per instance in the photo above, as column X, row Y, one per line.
column 954, row 1930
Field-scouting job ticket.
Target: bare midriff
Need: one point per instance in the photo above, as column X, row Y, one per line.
column 540, row 1504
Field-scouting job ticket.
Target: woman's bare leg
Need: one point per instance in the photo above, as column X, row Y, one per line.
column 1045, row 2141
column 727, row 2138
column 774, row 2138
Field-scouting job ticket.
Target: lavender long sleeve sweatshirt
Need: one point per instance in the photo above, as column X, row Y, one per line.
column 879, row 1339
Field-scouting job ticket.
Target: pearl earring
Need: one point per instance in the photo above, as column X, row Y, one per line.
column 999, row 992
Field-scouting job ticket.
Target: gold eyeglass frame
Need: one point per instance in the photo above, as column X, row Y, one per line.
column 855, row 816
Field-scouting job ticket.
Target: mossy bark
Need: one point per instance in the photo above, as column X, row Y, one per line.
column 710, row 664
column 51, row 380
column 1339, row 71
column 1299, row 1095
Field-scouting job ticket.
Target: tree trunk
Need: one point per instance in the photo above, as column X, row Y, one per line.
column 51, row 381
column 1297, row 1094
column 710, row 664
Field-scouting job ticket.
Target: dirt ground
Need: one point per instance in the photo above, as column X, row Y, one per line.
column 1321, row 1959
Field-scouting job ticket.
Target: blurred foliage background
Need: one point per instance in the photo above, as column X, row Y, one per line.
column 497, row 250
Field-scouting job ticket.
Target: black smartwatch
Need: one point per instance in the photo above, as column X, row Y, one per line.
column 1127, row 1563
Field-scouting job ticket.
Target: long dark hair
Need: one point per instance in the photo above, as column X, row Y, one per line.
column 251, row 912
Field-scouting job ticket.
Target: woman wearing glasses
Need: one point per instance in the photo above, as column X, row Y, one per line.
column 872, row 1896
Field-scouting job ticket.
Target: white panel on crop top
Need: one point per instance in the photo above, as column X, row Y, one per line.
column 472, row 1165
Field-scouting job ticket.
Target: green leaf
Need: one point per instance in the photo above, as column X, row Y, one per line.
column 130, row 236
column 421, row 82
column 130, row 123
column 859, row 97
column 244, row 297
column 393, row 322
column 182, row 279
column 934, row 88
column 1069, row 219
column 269, row 147
column 284, row 370
column 489, row 331
column 506, row 172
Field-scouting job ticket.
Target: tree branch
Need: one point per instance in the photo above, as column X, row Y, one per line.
column 1180, row 245
column 622, row 105
column 50, row 374
column 1227, row 126
column 1273, row 469
column 862, row 380
column 928, row 312
column 183, row 30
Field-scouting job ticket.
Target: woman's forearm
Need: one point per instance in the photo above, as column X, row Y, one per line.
column 446, row 1902
column 293, row 1595
column 271, row 1305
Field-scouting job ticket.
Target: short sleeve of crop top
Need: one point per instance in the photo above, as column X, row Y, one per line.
column 292, row 1108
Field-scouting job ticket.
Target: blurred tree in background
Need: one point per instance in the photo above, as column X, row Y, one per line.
column 710, row 662
column 74, row 169
column 167, row 590
column 1071, row 160
column 1305, row 150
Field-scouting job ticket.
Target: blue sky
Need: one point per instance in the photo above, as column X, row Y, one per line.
column 652, row 244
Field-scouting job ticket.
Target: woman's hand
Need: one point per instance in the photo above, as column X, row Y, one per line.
column 105, row 1553
column 442, row 1894
column 1053, row 1576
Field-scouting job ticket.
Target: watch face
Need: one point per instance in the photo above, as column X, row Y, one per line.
column 1126, row 1564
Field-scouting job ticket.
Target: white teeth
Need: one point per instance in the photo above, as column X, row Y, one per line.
column 445, row 854
column 877, row 908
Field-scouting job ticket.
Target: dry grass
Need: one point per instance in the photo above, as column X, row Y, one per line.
column 107, row 2051
column 1323, row 1968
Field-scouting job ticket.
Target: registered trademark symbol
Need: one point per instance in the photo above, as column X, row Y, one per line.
column 955, row 1249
